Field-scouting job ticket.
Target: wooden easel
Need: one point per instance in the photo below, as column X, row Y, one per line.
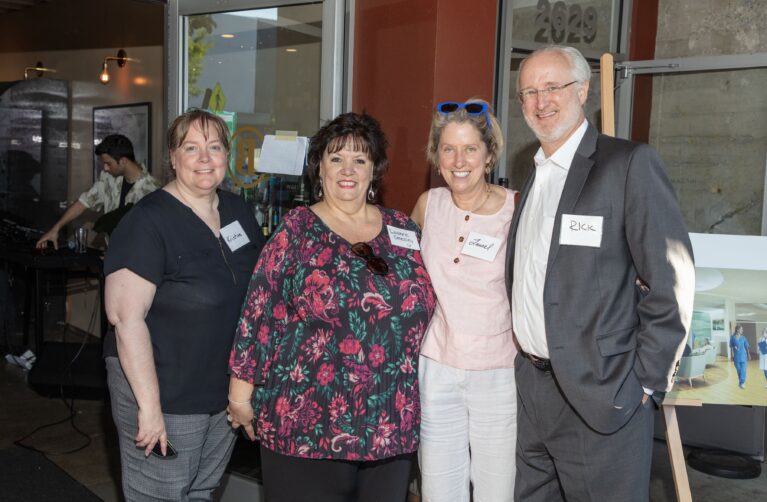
column 673, row 439
column 674, row 443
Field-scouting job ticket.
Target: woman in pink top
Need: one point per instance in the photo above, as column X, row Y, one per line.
column 466, row 374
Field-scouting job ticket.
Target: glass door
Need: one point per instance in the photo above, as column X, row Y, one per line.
column 266, row 67
column 708, row 121
column 592, row 26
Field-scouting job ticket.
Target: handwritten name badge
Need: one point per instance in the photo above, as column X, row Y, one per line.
column 481, row 246
column 403, row 238
column 581, row 230
column 234, row 236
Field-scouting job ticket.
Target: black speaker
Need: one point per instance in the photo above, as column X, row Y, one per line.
column 74, row 368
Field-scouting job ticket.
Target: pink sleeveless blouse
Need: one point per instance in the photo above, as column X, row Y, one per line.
column 471, row 326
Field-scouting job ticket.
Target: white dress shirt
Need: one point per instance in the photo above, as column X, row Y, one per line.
column 531, row 251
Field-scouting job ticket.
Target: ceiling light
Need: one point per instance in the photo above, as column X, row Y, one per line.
column 227, row 35
column 291, row 49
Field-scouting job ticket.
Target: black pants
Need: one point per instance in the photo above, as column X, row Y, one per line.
column 294, row 479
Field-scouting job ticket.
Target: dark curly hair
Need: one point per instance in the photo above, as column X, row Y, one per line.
column 362, row 133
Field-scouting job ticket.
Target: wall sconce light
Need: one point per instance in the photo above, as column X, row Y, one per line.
column 122, row 58
column 39, row 68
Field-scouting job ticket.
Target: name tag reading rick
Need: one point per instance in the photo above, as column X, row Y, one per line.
column 403, row 238
column 481, row 246
column 234, row 236
column 581, row 230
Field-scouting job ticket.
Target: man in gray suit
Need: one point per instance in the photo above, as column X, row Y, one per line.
column 601, row 281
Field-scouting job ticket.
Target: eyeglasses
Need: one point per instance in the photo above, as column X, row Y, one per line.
column 529, row 94
column 473, row 109
column 375, row 264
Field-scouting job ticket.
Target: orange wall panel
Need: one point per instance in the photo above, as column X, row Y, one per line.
column 644, row 28
column 466, row 44
column 409, row 55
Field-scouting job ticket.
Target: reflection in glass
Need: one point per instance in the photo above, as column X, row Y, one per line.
column 710, row 128
column 260, row 70
column 586, row 25
column 266, row 63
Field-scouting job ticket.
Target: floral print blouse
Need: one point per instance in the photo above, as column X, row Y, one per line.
column 331, row 347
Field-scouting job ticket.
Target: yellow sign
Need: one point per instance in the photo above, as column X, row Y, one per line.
column 217, row 99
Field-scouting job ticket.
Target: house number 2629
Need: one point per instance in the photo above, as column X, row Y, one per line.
column 559, row 23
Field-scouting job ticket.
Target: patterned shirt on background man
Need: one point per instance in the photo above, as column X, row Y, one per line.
column 333, row 348
column 104, row 195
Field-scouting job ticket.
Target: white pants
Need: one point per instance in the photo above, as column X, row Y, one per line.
column 468, row 433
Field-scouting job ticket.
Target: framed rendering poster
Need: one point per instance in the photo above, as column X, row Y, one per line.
column 133, row 121
column 725, row 361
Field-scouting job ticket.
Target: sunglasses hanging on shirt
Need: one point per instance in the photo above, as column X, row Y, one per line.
column 375, row 264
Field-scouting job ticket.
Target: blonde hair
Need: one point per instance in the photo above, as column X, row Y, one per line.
column 491, row 134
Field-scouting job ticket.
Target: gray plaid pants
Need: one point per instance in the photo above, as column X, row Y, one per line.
column 204, row 444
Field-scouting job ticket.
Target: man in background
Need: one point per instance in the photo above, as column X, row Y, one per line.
column 121, row 182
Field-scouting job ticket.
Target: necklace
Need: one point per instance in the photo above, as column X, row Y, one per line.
column 479, row 206
column 484, row 199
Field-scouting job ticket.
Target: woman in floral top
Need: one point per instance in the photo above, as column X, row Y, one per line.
column 330, row 333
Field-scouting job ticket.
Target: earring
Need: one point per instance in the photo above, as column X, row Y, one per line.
column 318, row 191
column 371, row 193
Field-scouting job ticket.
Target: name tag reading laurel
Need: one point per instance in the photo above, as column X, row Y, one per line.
column 403, row 238
column 581, row 230
column 481, row 246
column 234, row 236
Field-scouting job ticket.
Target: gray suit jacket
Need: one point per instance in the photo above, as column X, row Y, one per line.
column 607, row 338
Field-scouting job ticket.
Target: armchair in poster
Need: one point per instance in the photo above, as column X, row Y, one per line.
column 725, row 360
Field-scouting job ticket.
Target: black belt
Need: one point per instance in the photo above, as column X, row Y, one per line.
column 539, row 362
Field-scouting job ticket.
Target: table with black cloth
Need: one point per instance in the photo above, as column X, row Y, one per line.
column 37, row 267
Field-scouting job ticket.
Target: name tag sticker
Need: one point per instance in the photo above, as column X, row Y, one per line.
column 403, row 238
column 581, row 230
column 234, row 236
column 481, row 246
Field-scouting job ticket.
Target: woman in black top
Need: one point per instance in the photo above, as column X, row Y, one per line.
column 176, row 274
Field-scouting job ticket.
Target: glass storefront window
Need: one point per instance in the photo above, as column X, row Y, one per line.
column 260, row 70
column 708, row 121
column 262, row 64
column 587, row 25
column 592, row 26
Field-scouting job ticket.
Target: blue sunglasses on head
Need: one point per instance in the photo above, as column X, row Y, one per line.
column 447, row 107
